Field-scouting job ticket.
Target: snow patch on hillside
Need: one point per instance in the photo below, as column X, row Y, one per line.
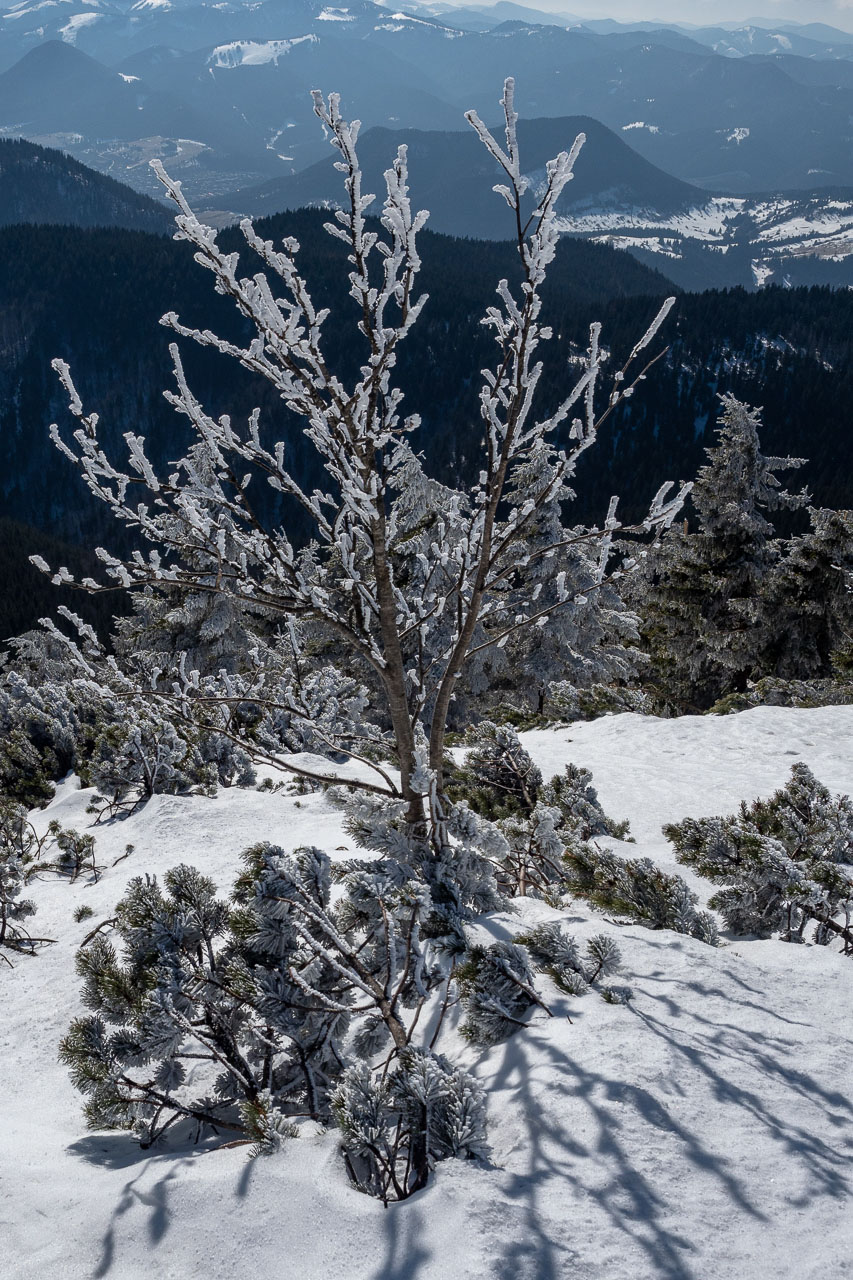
column 772, row 228
column 255, row 53
column 75, row 24
column 24, row 8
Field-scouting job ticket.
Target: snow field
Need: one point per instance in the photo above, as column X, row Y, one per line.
column 705, row 1132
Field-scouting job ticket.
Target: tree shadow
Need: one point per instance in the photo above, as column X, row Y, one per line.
column 405, row 1240
column 118, row 1151
column 154, row 1202
column 598, row 1131
column 636, row 1210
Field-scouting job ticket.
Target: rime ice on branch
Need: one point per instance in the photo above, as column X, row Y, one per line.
column 411, row 578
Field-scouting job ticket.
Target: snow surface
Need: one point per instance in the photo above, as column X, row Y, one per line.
column 705, row 1132
column 254, row 53
column 74, row 24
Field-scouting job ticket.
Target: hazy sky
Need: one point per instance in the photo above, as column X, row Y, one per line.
column 838, row 13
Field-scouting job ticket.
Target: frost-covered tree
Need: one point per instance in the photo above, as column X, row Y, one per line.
column 558, row 955
column 39, row 730
column 75, row 851
column 532, row 863
column 19, row 851
column 244, row 1015
column 496, row 986
column 533, row 822
column 780, row 863
column 473, row 589
column 206, row 629
column 701, row 589
column 497, row 776
column 582, row 815
column 369, row 632
column 807, row 598
column 593, row 641
column 137, row 757
column 394, row 1128
column 14, row 908
column 496, row 982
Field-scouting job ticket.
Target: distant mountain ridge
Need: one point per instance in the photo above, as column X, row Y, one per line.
column 699, row 239
column 452, row 175
column 221, row 89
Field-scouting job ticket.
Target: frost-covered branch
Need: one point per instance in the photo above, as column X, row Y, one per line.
column 405, row 578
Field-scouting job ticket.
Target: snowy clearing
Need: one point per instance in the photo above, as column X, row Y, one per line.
column 255, row 53
column 705, row 1132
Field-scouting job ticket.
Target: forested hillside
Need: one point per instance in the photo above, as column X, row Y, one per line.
column 95, row 298
column 40, row 184
column 27, row 594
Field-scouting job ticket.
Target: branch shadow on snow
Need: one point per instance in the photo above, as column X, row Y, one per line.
column 597, row 1137
column 607, row 1136
column 405, row 1234
column 119, row 1151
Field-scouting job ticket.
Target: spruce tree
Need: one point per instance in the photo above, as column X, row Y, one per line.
column 808, row 597
column 200, row 624
column 702, row 588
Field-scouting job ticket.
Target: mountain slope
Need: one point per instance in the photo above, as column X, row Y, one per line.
column 38, row 184
column 452, row 175
column 699, row 240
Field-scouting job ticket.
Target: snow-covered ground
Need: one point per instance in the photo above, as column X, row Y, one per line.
column 705, row 1132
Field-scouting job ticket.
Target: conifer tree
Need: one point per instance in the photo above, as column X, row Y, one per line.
column 637, row 889
column 395, row 1128
column 205, row 628
column 594, row 641
column 19, row 850
column 807, row 598
column 702, row 587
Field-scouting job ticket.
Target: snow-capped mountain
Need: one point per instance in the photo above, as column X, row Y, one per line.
column 770, row 110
